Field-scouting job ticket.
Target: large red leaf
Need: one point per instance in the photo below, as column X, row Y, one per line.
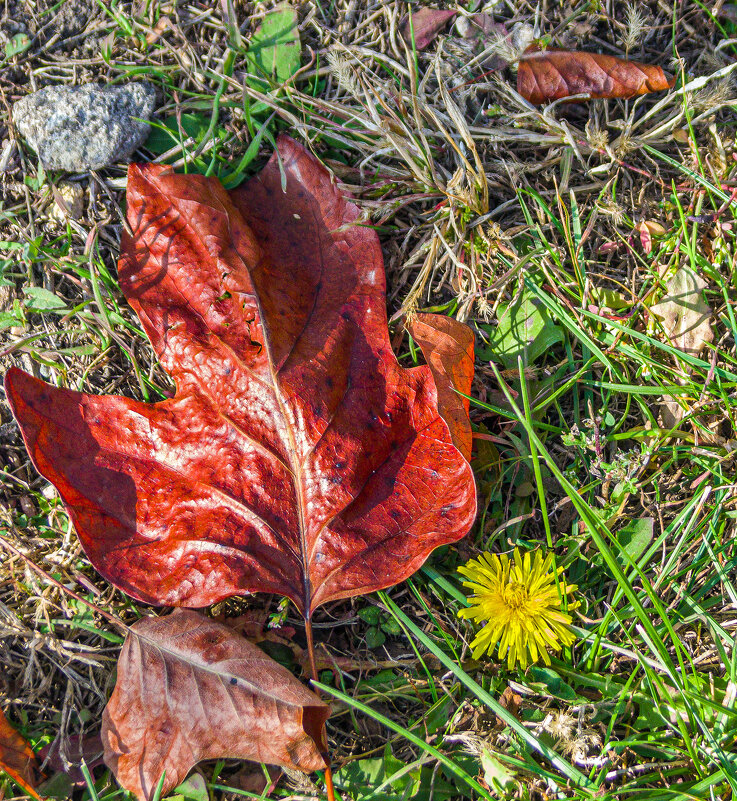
column 296, row 457
column 447, row 346
column 546, row 75
column 190, row 689
column 17, row 758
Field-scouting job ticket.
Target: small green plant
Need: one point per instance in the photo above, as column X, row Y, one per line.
column 380, row 625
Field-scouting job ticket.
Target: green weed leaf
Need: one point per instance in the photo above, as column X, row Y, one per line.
column 496, row 775
column 387, row 778
column 370, row 615
column 39, row 299
column 551, row 681
column 375, row 637
column 166, row 135
column 274, row 52
column 17, row 44
column 635, row 536
column 193, row 788
column 524, row 329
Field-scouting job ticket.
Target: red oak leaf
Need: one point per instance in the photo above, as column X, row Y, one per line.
column 447, row 346
column 297, row 456
column 546, row 75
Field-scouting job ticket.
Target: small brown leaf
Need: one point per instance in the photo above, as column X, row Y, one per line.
column 511, row 701
column 447, row 346
column 480, row 25
column 190, row 689
column 654, row 228
column 490, row 42
column 78, row 748
column 17, row 758
column 645, row 239
column 253, row 780
column 546, row 75
column 161, row 26
column 686, row 325
column 426, row 24
column 685, row 314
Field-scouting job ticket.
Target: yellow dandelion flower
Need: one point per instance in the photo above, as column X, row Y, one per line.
column 521, row 604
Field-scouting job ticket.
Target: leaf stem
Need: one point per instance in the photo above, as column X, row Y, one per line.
column 329, row 788
column 311, row 649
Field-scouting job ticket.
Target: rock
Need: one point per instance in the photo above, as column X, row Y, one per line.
column 72, row 18
column 68, row 202
column 85, row 127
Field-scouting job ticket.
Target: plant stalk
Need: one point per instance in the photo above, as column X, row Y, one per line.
column 329, row 788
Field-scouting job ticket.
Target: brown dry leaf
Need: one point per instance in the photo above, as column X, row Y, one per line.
column 426, row 24
column 17, row 758
column 253, row 780
column 671, row 413
column 190, row 689
column 511, row 701
column 654, row 228
column 480, row 26
column 645, row 239
column 686, row 325
column 546, row 75
column 447, row 346
column 491, row 41
column 78, row 748
column 685, row 315
column 161, row 26
column 252, row 625
column 647, row 229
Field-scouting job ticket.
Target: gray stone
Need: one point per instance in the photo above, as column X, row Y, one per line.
column 72, row 18
column 85, row 127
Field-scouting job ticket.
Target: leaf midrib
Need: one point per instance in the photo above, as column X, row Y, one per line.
column 295, row 465
column 187, row 659
column 295, row 468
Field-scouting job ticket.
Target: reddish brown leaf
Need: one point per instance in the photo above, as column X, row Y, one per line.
column 546, row 75
column 447, row 346
column 252, row 780
column 511, row 701
column 88, row 748
column 426, row 24
column 486, row 37
column 297, row 457
column 190, row 689
column 17, row 758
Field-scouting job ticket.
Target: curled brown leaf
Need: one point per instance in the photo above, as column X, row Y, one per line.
column 685, row 314
column 546, row 75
